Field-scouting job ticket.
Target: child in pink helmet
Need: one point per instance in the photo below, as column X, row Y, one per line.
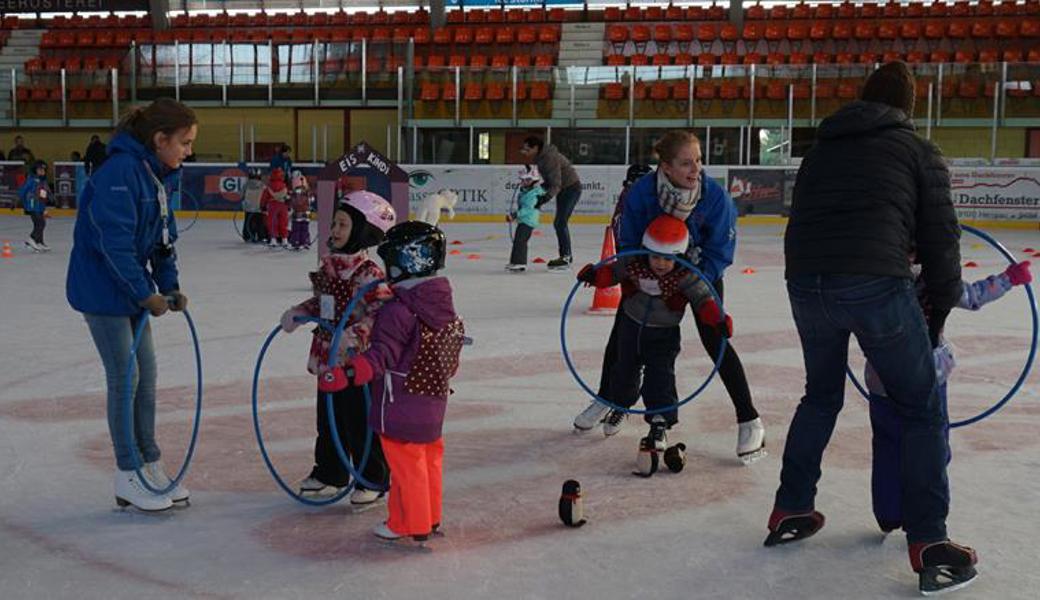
column 360, row 221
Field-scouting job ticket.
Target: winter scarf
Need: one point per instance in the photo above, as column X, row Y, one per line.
column 676, row 201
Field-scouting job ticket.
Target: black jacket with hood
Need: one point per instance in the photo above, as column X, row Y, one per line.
column 868, row 194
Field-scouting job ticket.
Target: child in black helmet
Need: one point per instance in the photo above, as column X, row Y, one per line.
column 416, row 342
column 35, row 193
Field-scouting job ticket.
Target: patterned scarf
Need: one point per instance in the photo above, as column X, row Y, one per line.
column 676, row 201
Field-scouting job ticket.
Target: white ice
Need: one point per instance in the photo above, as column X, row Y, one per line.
column 697, row 534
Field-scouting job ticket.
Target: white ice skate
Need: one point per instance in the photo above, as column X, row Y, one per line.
column 131, row 492
column 32, row 245
column 516, row 268
column 751, row 441
column 362, row 499
column 613, row 422
column 590, row 417
column 312, row 488
column 43, row 247
column 156, row 476
column 415, row 542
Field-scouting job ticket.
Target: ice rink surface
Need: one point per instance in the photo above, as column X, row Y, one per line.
column 509, row 447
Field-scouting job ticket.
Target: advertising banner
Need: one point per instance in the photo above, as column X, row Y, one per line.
column 71, row 6
column 757, row 191
column 996, row 193
column 218, row 186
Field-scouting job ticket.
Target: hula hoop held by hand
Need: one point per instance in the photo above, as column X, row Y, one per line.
column 581, row 382
column 1032, row 346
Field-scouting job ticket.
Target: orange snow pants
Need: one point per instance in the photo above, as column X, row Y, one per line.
column 414, row 505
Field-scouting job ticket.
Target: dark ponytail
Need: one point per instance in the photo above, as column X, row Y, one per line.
column 164, row 115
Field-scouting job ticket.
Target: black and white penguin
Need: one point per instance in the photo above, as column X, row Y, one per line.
column 675, row 457
column 647, row 461
column 571, row 511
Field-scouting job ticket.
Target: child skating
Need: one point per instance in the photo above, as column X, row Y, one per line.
column 525, row 217
column 300, row 201
column 655, row 291
column 360, row 221
column 35, row 194
column 414, row 354
column 254, row 227
column 276, row 203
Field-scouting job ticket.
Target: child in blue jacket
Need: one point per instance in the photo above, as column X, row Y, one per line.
column 526, row 216
column 34, row 195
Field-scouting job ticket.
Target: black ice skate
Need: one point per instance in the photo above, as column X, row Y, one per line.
column 943, row 566
column 786, row 527
column 560, row 264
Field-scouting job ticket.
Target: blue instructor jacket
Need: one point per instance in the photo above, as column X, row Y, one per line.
column 712, row 224
column 116, row 262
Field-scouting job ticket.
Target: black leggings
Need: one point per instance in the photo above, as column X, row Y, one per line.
column 39, row 223
column 731, row 371
column 352, row 425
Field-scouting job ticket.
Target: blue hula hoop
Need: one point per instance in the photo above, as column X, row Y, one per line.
column 1032, row 346
column 337, row 442
column 581, row 382
column 128, row 406
column 366, row 391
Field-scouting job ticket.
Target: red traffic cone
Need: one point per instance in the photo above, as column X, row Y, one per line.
column 971, row 264
column 748, row 271
column 539, row 260
column 7, row 253
column 606, row 300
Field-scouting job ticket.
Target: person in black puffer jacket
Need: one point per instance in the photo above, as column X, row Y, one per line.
column 868, row 196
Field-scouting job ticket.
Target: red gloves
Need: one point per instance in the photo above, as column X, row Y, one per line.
column 331, row 380
column 359, row 370
column 708, row 313
column 1019, row 273
column 601, row 278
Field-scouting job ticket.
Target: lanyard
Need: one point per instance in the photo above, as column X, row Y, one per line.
column 164, row 209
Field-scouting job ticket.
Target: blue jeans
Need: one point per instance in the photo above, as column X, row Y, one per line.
column 566, row 200
column 113, row 337
column 884, row 315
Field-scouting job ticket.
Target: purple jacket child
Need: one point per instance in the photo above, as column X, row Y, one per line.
column 416, row 342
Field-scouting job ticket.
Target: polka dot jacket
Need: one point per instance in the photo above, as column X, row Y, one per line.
column 414, row 353
column 339, row 277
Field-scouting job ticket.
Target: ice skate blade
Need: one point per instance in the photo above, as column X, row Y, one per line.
column 753, row 457
column 357, row 509
column 126, row 506
column 406, row 544
column 934, row 581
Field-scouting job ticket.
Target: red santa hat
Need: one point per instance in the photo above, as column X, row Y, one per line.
column 666, row 235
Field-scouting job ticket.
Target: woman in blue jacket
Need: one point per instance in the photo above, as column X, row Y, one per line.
column 35, row 194
column 680, row 188
column 123, row 263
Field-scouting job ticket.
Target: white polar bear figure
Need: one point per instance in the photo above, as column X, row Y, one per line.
column 430, row 212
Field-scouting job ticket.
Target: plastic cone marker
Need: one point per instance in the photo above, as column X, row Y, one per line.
column 606, row 300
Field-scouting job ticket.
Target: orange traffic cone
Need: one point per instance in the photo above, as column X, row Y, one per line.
column 606, row 300
column 7, row 254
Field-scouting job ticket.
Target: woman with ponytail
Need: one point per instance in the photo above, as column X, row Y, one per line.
column 123, row 262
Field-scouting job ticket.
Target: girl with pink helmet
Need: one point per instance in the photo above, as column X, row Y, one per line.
column 360, row 222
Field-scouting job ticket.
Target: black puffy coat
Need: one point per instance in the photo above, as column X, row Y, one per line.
column 870, row 192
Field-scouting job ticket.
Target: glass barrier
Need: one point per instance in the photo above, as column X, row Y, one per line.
column 1022, row 91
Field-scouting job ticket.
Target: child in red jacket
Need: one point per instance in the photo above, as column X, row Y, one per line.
column 359, row 222
column 414, row 353
column 276, row 201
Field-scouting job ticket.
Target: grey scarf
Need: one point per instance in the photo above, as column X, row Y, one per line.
column 676, row 201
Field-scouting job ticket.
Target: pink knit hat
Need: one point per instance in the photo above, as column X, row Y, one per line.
column 666, row 235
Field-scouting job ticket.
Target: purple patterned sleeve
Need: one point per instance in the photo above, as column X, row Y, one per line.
column 984, row 291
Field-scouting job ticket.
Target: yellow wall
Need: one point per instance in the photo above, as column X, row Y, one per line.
column 52, row 144
column 220, row 130
column 330, row 120
column 974, row 142
column 369, row 124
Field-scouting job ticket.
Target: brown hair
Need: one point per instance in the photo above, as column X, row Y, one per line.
column 667, row 148
column 891, row 84
column 164, row 115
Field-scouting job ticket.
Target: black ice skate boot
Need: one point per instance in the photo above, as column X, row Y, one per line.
column 942, row 566
column 786, row 527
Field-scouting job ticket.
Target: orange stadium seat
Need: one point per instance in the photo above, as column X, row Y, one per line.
column 495, row 91
column 614, row 91
column 484, row 35
column 505, row 35
column 616, row 60
column 473, row 91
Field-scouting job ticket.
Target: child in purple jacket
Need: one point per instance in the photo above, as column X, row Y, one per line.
column 414, row 352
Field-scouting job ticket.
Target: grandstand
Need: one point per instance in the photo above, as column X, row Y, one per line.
column 321, row 77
